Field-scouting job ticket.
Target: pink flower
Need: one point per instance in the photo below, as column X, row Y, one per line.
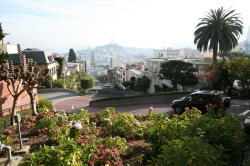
column 7, row 132
column 137, row 123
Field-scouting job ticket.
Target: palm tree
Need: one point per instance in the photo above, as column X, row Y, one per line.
column 219, row 31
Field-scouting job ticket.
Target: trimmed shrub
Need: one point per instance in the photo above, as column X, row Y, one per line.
column 189, row 151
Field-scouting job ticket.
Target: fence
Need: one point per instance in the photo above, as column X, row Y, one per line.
column 18, row 108
column 5, row 120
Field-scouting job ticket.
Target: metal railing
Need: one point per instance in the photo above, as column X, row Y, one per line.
column 5, row 124
column 17, row 107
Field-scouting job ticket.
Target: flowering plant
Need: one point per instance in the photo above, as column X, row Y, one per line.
column 75, row 130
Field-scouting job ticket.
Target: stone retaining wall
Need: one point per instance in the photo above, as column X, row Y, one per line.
column 55, row 90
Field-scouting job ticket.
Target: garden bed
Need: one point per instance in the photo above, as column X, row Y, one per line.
column 108, row 137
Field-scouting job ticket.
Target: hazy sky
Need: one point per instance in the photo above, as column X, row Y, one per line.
column 62, row 24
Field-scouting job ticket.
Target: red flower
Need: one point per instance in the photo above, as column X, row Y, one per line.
column 92, row 163
column 7, row 132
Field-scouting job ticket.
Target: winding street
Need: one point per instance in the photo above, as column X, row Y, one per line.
column 73, row 102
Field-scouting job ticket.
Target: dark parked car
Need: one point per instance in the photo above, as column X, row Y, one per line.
column 200, row 100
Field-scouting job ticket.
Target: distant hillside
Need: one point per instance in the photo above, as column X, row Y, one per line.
column 102, row 54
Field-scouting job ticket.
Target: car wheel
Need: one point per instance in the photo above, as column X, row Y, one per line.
column 177, row 110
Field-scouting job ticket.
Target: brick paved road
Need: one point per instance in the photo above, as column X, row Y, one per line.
column 69, row 100
column 74, row 104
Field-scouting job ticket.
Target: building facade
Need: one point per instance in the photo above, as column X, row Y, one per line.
column 43, row 59
column 114, row 62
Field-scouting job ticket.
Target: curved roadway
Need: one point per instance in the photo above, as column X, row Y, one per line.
column 72, row 103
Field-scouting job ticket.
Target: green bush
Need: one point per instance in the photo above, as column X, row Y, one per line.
column 58, row 83
column 116, row 142
column 226, row 131
column 142, row 84
column 86, row 82
column 189, row 151
column 49, row 125
column 247, row 128
column 44, row 105
column 104, row 117
column 67, row 153
column 125, row 125
column 83, row 116
column 68, row 82
column 158, row 132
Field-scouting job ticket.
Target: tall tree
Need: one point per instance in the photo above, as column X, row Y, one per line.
column 2, row 34
column 239, row 68
column 13, row 77
column 3, row 55
column 33, row 77
column 179, row 72
column 62, row 63
column 219, row 31
column 72, row 56
column 143, row 84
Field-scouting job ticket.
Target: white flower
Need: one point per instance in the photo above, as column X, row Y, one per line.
column 78, row 125
column 107, row 119
column 70, row 123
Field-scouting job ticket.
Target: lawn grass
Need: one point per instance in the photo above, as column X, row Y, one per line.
column 6, row 119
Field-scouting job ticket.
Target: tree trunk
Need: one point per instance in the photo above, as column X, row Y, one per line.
column 175, row 86
column 33, row 103
column 13, row 111
column 214, row 59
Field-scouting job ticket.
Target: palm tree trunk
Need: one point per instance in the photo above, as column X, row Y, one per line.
column 13, row 112
column 214, row 59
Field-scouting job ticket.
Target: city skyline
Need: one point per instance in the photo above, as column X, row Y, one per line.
column 59, row 25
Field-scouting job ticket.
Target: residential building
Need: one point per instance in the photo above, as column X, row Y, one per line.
column 42, row 58
column 80, row 66
column 245, row 45
column 132, row 74
column 114, row 62
column 116, row 76
column 139, row 66
column 153, row 66
column 152, row 70
column 112, row 77
column 73, row 67
column 83, row 66
column 168, row 53
column 172, row 54
column 188, row 53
